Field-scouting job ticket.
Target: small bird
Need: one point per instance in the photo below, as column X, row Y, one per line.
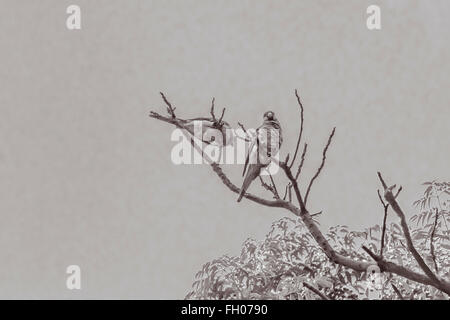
column 266, row 144
column 209, row 131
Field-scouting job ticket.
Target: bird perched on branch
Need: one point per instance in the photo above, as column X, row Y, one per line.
column 210, row 131
column 266, row 144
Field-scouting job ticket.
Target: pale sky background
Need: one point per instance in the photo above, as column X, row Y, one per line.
column 86, row 176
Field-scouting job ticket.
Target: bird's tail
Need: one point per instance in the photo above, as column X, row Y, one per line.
column 245, row 185
column 247, row 181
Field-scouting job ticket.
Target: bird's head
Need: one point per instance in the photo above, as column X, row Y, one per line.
column 269, row 116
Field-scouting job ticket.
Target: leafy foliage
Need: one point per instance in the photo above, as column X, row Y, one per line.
column 288, row 264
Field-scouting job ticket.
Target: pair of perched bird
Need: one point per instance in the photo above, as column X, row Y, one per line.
column 263, row 147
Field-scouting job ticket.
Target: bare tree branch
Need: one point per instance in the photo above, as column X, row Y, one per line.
column 316, row 214
column 390, row 198
column 247, row 135
column 320, row 294
column 397, row 292
column 212, row 109
column 170, row 109
column 286, row 191
column 217, row 122
column 270, row 188
column 274, row 186
column 301, row 128
column 242, row 127
column 300, row 166
column 306, row 218
column 433, row 256
column 385, row 207
column 324, row 157
column 293, row 182
column 371, row 254
column 383, row 233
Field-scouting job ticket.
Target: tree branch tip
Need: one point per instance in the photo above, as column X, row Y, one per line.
column 381, row 180
column 316, row 214
column 398, row 191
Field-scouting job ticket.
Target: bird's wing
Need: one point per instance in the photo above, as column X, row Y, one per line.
column 250, row 152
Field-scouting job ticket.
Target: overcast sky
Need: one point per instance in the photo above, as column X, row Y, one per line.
column 86, row 176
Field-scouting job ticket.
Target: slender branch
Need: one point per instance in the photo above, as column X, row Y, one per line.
column 270, row 188
column 383, row 233
column 386, row 207
column 221, row 116
column 316, row 214
column 301, row 128
column 382, row 180
column 320, row 294
column 274, row 186
column 294, row 183
column 216, row 122
column 242, row 127
column 212, row 110
column 433, row 256
column 170, row 109
column 286, row 191
column 398, row 192
column 247, row 135
column 399, row 294
column 324, row 156
column 372, row 254
column 300, row 166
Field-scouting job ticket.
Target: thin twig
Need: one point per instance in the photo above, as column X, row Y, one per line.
column 382, row 181
column 383, row 233
column 371, row 254
column 170, row 109
column 300, row 166
column 274, row 186
column 243, row 128
column 216, row 122
column 320, row 294
column 221, row 117
column 397, row 292
column 247, row 135
column 301, row 128
column 385, row 207
column 285, row 192
column 316, row 214
column 269, row 188
column 212, row 110
column 433, row 256
column 324, row 157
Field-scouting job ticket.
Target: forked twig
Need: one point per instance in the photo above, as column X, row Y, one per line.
column 170, row 109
